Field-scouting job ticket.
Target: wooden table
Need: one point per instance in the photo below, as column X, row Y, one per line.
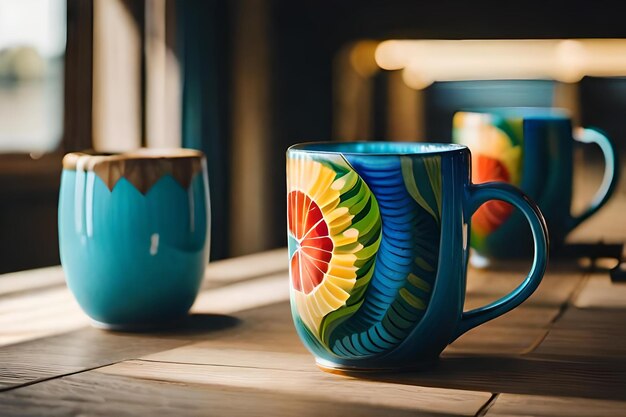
column 562, row 353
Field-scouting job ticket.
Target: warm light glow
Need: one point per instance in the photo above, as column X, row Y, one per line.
column 362, row 58
column 567, row 60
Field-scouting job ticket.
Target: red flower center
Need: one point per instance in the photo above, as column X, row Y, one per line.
column 310, row 245
column 493, row 213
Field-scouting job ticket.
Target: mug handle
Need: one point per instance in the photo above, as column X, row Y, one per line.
column 611, row 175
column 479, row 194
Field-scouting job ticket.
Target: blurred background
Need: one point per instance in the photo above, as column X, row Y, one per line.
column 244, row 79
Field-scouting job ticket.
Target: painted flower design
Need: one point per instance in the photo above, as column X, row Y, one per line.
column 493, row 213
column 364, row 247
column 496, row 156
column 324, row 242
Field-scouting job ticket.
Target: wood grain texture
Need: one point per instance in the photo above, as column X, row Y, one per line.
column 39, row 314
column 590, row 335
column 31, row 361
column 600, row 292
column 243, row 295
column 270, row 328
column 541, row 406
column 247, row 267
column 521, row 375
column 217, row 273
column 267, row 328
column 266, row 339
column 604, row 225
column 88, row 348
column 36, row 304
column 35, row 279
column 100, row 394
column 563, row 352
column 557, row 287
column 526, row 315
column 498, row 339
column 239, row 354
column 308, row 383
column 521, row 330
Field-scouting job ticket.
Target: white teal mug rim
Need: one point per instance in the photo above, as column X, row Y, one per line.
column 378, row 148
column 522, row 112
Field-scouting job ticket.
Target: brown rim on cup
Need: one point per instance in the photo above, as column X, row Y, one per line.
column 142, row 167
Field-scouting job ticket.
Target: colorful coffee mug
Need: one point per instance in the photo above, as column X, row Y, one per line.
column 133, row 234
column 531, row 148
column 378, row 235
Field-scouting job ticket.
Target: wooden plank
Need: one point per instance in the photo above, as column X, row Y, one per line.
column 600, row 292
column 243, row 295
column 495, row 339
column 519, row 331
column 521, row 375
column 37, row 303
column 27, row 362
column 590, row 335
column 265, row 328
column 225, row 354
column 31, row 280
column 604, row 226
column 308, row 383
column 54, row 311
column 270, row 329
column 100, row 394
column 268, row 335
column 556, row 289
column 514, row 333
column 246, row 267
column 89, row 347
column 527, row 314
column 541, row 406
column 68, row 353
column 217, row 273
column 39, row 314
column 275, row 327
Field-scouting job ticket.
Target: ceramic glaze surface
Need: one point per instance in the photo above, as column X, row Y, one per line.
column 531, row 149
column 133, row 258
column 377, row 238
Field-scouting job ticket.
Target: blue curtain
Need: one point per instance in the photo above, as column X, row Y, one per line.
column 203, row 45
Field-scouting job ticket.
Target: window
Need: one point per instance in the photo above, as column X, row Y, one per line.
column 32, row 48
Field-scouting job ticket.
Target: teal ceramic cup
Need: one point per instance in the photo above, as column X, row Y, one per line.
column 133, row 234
column 378, row 238
column 531, row 148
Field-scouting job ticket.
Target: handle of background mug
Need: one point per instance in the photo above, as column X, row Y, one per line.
column 479, row 194
column 611, row 175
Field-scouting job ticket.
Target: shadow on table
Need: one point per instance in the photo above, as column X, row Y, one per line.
column 578, row 257
column 519, row 375
column 199, row 324
column 596, row 257
column 196, row 325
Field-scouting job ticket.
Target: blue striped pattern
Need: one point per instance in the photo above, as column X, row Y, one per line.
column 406, row 263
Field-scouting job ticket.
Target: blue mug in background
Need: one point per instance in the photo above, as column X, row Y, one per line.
column 530, row 148
column 134, row 234
column 378, row 238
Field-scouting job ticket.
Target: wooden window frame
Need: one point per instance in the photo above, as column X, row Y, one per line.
column 29, row 183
